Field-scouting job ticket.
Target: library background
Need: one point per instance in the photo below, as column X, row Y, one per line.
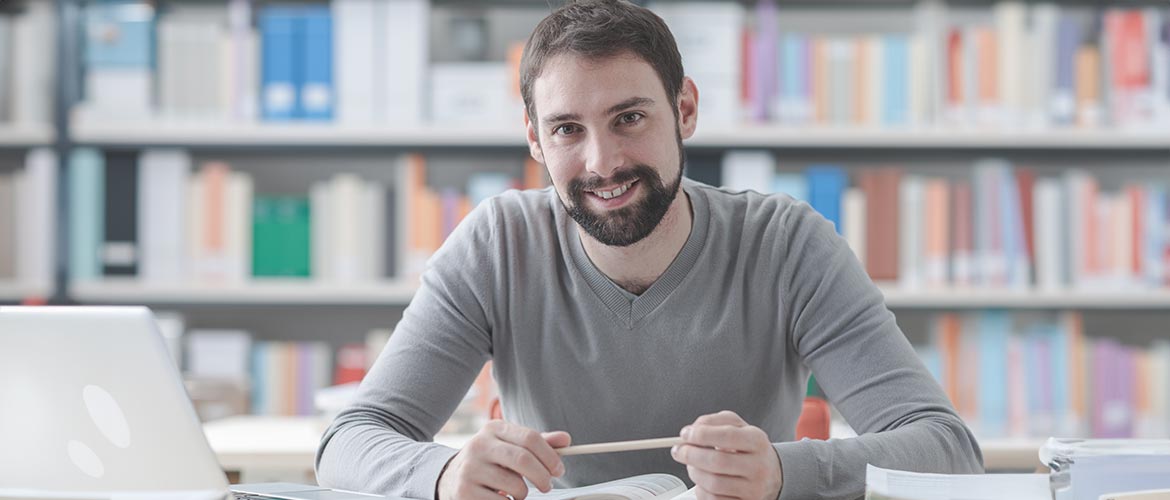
column 270, row 178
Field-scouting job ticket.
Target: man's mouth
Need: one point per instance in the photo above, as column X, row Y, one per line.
column 615, row 192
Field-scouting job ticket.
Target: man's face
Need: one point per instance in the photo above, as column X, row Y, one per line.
column 608, row 135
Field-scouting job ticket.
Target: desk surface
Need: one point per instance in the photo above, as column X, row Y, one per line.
column 248, row 442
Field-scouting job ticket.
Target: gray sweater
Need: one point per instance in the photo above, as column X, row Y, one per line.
column 763, row 291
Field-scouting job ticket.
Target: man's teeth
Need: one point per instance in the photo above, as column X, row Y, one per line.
column 617, row 192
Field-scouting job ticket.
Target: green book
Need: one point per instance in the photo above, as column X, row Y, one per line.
column 280, row 236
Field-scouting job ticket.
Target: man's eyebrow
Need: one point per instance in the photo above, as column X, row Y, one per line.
column 632, row 102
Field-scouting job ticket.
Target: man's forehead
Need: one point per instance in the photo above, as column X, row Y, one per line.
column 574, row 84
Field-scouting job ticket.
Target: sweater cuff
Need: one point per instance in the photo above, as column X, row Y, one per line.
column 798, row 469
column 429, row 464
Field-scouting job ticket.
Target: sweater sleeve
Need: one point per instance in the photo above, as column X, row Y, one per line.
column 840, row 327
column 382, row 441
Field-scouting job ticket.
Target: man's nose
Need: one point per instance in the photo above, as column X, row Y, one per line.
column 603, row 155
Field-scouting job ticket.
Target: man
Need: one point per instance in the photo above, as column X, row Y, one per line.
column 628, row 303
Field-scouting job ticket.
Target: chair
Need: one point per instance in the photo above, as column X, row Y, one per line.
column 813, row 422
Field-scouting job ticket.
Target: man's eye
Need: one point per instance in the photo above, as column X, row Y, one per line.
column 630, row 118
column 565, row 129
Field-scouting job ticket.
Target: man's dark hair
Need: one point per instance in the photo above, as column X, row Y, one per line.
column 597, row 29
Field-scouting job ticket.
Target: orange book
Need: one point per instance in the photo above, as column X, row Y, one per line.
column 431, row 219
column 820, row 80
column 949, row 328
column 987, row 63
column 414, row 185
column 215, row 176
column 1078, row 386
column 1088, row 86
column 288, row 351
column 1142, row 387
column 535, row 176
column 937, row 231
column 864, row 79
column 464, row 208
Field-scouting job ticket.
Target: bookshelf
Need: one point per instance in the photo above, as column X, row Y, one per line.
column 295, row 292
column 306, row 310
column 15, row 292
column 512, row 135
column 23, row 136
column 271, row 292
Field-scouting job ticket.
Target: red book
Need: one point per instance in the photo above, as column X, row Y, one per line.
column 955, row 91
column 1025, row 180
column 964, row 236
column 881, row 221
column 351, row 364
column 1137, row 203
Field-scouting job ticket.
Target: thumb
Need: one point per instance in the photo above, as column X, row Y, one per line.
column 557, row 439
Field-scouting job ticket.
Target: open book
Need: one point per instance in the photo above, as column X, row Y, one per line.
column 644, row 487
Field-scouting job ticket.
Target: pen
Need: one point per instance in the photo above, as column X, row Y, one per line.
column 641, row 444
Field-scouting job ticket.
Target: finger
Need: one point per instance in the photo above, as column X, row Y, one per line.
column 725, row 417
column 720, row 484
column 714, row 461
column 725, row 437
column 535, row 444
column 497, row 479
column 522, row 462
column 557, row 439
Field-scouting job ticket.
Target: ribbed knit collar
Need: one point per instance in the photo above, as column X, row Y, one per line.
column 631, row 311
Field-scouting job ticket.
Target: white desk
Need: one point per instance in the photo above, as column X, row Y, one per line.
column 285, row 447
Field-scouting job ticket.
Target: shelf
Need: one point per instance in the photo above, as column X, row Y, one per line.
column 12, row 135
column 12, row 292
column 306, row 292
column 959, row 298
column 293, row 134
column 181, row 134
column 788, row 137
column 280, row 292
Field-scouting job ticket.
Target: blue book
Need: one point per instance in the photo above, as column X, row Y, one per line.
column 1060, row 371
column 484, row 185
column 994, row 330
column 826, row 185
column 794, row 93
column 1154, row 235
column 791, row 184
column 1015, row 249
column 896, row 52
column 260, row 378
column 119, row 34
column 280, row 65
column 87, row 176
column 316, row 87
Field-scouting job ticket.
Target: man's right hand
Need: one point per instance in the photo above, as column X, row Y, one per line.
column 498, row 459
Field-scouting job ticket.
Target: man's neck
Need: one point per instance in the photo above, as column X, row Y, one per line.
column 638, row 266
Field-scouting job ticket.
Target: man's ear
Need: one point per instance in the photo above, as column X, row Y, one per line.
column 688, row 108
column 533, row 140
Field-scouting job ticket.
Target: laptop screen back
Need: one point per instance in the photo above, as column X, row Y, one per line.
column 90, row 401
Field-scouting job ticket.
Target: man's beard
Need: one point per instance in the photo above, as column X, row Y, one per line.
column 630, row 224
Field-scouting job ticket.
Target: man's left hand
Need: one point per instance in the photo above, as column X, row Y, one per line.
column 727, row 458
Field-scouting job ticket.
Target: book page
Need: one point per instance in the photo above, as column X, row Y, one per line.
column 886, row 484
column 644, row 487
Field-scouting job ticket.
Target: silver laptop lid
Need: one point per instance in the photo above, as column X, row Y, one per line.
column 90, row 401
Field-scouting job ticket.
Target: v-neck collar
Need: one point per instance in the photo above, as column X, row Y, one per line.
column 628, row 311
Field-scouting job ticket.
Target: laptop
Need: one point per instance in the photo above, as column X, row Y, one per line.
column 92, row 407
